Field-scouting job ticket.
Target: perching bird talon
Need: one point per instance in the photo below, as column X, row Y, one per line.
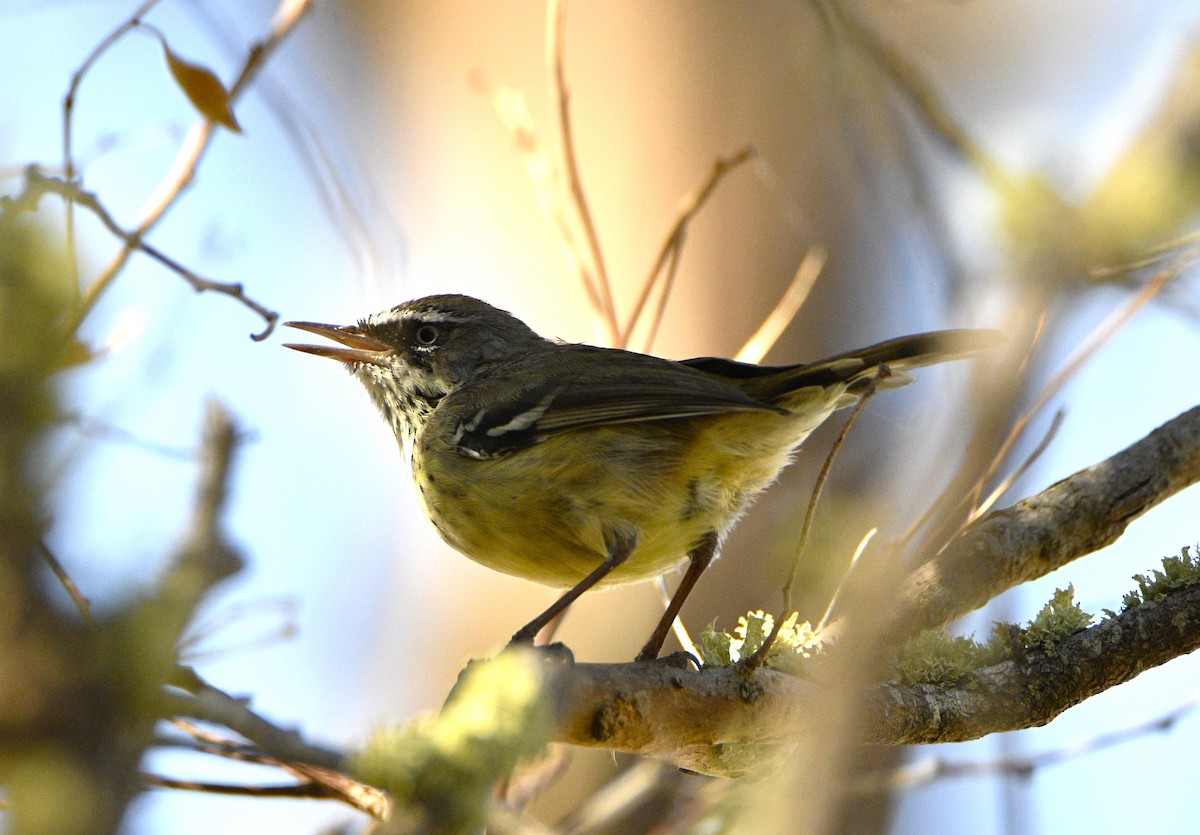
column 680, row 660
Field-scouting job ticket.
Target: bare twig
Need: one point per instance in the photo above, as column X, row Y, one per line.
column 555, row 48
column 692, row 204
column 283, row 608
column 660, row 310
column 616, row 797
column 967, row 502
column 69, row 169
column 842, row 581
column 806, row 529
column 68, row 583
column 788, row 306
column 309, row 790
column 912, row 82
column 99, row 430
column 38, row 184
column 1097, row 339
column 1182, row 248
column 314, row 781
column 211, row 704
column 1006, row 484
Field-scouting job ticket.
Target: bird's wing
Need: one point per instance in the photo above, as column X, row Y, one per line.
column 588, row 387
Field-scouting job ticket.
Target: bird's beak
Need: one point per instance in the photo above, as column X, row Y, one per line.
column 357, row 346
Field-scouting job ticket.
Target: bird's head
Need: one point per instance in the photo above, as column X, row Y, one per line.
column 413, row 355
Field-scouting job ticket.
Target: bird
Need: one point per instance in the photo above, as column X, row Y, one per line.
column 581, row 467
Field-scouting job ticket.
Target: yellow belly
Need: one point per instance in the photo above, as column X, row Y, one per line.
column 545, row 513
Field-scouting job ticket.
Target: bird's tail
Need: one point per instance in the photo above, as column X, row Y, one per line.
column 854, row 369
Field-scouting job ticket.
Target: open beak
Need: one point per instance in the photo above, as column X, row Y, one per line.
column 356, row 345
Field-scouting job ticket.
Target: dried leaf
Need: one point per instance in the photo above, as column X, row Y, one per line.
column 203, row 89
column 74, row 353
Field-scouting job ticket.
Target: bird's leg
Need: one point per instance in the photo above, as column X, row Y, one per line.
column 620, row 546
column 698, row 560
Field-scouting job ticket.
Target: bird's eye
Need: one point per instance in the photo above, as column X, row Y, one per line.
column 427, row 335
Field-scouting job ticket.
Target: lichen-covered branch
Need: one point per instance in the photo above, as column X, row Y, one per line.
column 714, row 721
column 1031, row 690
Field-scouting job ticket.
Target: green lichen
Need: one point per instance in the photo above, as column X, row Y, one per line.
column 1061, row 617
column 796, row 641
column 715, row 647
column 937, row 657
column 1176, row 572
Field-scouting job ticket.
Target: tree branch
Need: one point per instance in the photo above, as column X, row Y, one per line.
column 1076, row 516
column 713, row 721
column 37, row 184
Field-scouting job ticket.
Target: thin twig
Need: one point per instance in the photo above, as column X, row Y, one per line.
column 1003, row 487
column 1097, row 339
column 555, row 48
column 314, row 781
column 1154, row 255
column 660, row 310
column 1072, row 518
column 677, row 625
column 964, row 487
column 69, row 170
column 786, row 308
column 692, row 204
column 913, row 83
column 806, row 529
column 308, row 790
column 68, row 583
column 283, row 607
column 99, row 430
column 617, row 797
column 38, row 184
column 837, row 592
column 211, row 704
column 953, row 500
column 545, row 177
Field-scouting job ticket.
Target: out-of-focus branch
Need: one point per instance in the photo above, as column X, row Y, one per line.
column 1076, row 516
column 209, row 704
column 672, row 245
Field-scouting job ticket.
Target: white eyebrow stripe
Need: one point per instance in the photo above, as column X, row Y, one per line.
column 432, row 315
column 524, row 420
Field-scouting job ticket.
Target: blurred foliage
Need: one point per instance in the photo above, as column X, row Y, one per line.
column 78, row 699
column 440, row 771
column 41, row 679
column 1146, row 198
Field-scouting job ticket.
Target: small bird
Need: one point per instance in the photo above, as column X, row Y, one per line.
column 582, row 467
